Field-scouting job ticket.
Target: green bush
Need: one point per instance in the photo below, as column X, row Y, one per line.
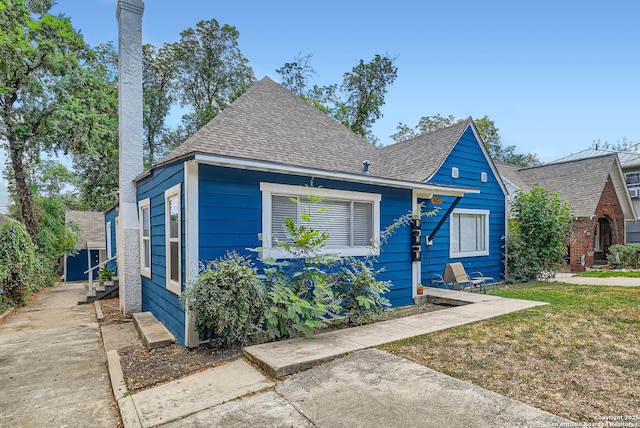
column 19, row 263
column 538, row 236
column 227, row 300
column 624, row 256
column 359, row 292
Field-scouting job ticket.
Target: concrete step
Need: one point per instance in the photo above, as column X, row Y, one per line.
column 152, row 332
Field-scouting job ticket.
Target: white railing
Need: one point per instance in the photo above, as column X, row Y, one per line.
column 92, row 291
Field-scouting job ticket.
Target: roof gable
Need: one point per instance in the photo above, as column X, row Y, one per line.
column 579, row 182
column 270, row 123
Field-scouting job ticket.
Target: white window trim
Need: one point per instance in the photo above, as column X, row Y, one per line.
column 108, row 236
column 268, row 189
column 459, row 254
column 144, row 204
column 173, row 286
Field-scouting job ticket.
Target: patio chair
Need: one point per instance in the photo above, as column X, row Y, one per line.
column 458, row 279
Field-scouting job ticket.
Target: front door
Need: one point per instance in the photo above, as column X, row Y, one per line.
column 94, row 260
column 603, row 239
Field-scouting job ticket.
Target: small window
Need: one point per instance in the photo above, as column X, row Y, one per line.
column 108, row 235
column 351, row 219
column 455, row 173
column 469, row 233
column 173, row 238
column 144, row 215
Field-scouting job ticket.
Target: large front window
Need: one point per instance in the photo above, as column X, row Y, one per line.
column 144, row 215
column 469, row 233
column 350, row 219
column 173, row 238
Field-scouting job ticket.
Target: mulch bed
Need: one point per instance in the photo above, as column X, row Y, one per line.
column 144, row 369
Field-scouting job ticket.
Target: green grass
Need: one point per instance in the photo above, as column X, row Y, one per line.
column 578, row 357
column 610, row 274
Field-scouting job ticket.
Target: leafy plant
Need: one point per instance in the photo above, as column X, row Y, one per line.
column 359, row 291
column 299, row 291
column 105, row 273
column 18, row 261
column 624, row 256
column 538, row 235
column 227, row 300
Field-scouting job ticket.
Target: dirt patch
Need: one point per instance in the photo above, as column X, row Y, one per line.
column 144, row 369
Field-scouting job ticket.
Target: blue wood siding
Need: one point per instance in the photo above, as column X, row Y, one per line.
column 230, row 208
column 77, row 265
column 469, row 158
column 156, row 298
column 111, row 216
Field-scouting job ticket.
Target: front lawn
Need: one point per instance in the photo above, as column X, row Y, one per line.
column 578, row 357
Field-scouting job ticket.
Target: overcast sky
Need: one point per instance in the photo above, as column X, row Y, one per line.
column 553, row 75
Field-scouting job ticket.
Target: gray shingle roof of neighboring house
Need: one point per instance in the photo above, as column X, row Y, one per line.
column 91, row 225
column 269, row 123
column 579, row 182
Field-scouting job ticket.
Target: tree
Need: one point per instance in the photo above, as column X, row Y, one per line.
column 157, row 100
column 295, row 74
column 47, row 94
column 208, row 70
column 486, row 128
column 356, row 103
column 539, row 234
column 97, row 165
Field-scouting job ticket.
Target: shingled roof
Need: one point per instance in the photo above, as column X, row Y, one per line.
column 418, row 158
column 271, row 124
column 579, row 182
column 91, row 225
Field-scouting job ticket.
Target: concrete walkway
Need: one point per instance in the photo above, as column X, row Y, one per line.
column 52, row 366
column 367, row 388
column 584, row 280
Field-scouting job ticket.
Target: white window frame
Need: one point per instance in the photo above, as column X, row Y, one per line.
column 108, row 236
column 458, row 254
column 269, row 189
column 173, row 193
column 144, row 204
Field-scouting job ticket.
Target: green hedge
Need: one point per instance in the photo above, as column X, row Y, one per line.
column 20, row 275
column 624, row 256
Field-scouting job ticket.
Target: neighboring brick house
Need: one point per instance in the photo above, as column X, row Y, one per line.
column 596, row 189
column 630, row 163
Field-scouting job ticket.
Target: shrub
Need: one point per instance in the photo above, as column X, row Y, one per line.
column 538, row 235
column 359, row 292
column 624, row 256
column 17, row 256
column 226, row 300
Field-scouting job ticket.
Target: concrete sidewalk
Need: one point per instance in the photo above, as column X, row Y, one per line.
column 584, row 280
column 368, row 388
column 52, row 367
column 286, row 357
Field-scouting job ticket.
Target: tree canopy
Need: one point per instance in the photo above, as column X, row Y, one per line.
column 486, row 128
column 50, row 97
column 357, row 102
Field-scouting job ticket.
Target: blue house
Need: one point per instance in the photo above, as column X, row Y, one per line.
column 229, row 188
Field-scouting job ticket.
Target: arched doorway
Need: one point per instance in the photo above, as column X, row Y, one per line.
column 603, row 239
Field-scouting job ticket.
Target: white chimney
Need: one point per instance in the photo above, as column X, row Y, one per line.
column 129, row 15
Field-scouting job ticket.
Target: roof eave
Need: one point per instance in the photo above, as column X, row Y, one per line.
column 256, row 165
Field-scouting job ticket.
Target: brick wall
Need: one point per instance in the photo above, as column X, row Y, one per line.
column 584, row 229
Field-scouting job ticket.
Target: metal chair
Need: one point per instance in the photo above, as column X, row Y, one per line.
column 458, row 279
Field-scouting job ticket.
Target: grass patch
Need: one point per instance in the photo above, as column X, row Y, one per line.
column 578, row 357
column 609, row 274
